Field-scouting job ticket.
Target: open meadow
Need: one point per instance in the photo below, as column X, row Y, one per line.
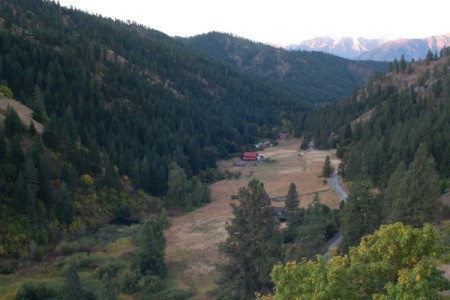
column 192, row 252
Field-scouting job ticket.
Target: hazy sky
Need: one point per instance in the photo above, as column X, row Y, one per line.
column 280, row 22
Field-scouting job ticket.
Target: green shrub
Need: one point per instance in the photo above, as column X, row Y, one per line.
column 151, row 284
column 36, row 291
column 169, row 294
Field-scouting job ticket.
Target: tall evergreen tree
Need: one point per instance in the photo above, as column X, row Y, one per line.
column 361, row 215
column 252, row 246
column 311, row 236
column 393, row 192
column 419, row 201
column 64, row 204
column 327, row 169
column 291, row 206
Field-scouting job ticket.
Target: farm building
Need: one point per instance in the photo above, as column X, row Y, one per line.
column 250, row 156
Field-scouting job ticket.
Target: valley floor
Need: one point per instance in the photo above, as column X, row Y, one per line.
column 192, row 252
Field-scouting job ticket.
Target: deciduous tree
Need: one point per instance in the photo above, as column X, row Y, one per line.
column 396, row 262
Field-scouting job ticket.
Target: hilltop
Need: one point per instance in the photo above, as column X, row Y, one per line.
column 316, row 76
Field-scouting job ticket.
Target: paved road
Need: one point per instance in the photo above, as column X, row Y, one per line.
column 336, row 185
column 338, row 189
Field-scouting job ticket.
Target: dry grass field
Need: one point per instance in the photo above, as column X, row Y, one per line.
column 25, row 113
column 192, row 239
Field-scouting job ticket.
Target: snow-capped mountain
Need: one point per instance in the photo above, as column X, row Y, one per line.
column 376, row 49
column 345, row 47
column 410, row 48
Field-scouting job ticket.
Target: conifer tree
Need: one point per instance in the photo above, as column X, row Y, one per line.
column 393, row 192
column 327, row 168
column 360, row 216
column 418, row 202
column 252, row 246
column 64, row 204
column 312, row 234
column 291, row 207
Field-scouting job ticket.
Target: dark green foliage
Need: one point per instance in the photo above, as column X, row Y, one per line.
column 327, row 169
column 150, row 257
column 253, row 245
column 64, row 205
column 106, row 290
column 415, row 199
column 396, row 120
column 104, row 86
column 35, row 291
column 72, row 289
column 184, row 193
column 291, row 207
column 311, row 235
column 361, row 215
column 13, row 125
column 314, row 76
column 118, row 101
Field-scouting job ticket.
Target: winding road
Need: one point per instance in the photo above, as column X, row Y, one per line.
column 339, row 190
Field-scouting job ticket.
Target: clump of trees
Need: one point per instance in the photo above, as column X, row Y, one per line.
column 396, row 262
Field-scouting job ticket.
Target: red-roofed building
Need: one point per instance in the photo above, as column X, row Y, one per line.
column 250, row 156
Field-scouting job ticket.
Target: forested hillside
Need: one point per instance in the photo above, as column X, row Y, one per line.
column 122, row 106
column 315, row 76
column 384, row 123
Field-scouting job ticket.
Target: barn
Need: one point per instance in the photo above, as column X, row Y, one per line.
column 250, row 156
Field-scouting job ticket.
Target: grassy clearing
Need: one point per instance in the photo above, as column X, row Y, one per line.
column 192, row 239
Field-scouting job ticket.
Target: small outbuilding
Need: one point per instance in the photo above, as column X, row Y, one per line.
column 251, row 156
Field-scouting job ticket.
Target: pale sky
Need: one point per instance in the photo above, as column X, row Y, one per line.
column 281, row 22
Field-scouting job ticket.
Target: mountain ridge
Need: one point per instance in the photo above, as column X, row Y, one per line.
column 375, row 49
column 316, row 76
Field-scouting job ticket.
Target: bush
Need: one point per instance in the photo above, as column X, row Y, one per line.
column 33, row 290
column 150, row 284
column 169, row 294
column 112, row 267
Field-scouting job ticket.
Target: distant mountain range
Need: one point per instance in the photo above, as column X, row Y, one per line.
column 375, row 49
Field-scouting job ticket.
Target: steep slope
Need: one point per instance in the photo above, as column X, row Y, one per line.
column 383, row 124
column 133, row 84
column 346, row 47
column 410, row 48
column 120, row 103
column 315, row 76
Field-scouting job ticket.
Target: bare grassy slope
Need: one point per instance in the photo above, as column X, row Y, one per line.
column 25, row 113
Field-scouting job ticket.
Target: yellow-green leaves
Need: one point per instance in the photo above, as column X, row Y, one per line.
column 396, row 262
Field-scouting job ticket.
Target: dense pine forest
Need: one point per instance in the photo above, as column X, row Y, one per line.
column 134, row 122
column 316, row 76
